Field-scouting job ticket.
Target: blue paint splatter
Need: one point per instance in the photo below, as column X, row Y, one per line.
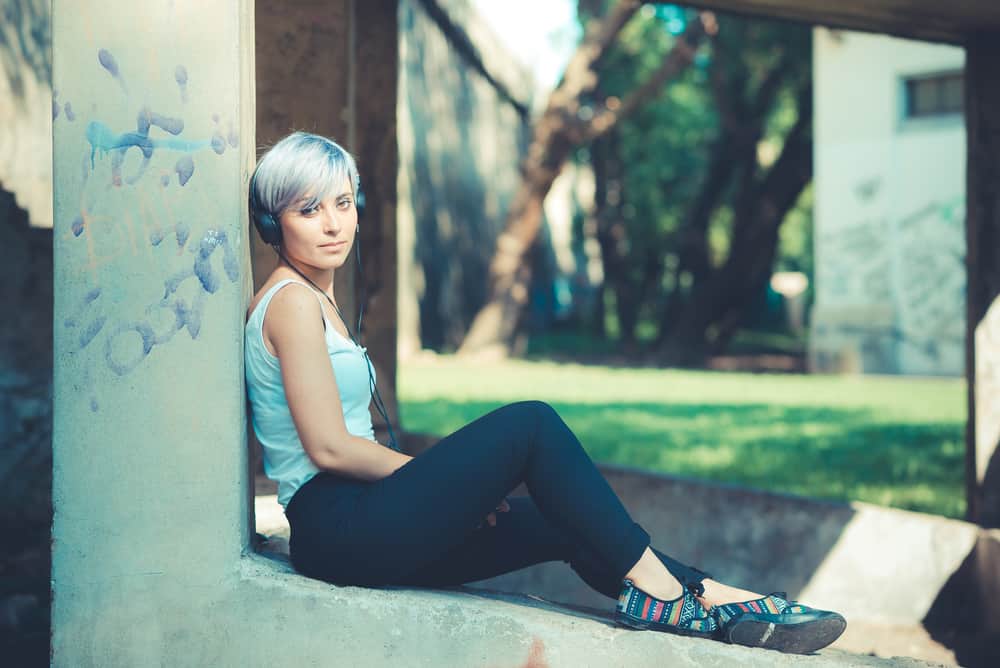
column 88, row 298
column 103, row 140
column 212, row 240
column 218, row 143
column 234, row 139
column 184, row 169
column 93, row 404
column 90, row 331
column 185, row 315
column 55, row 109
column 148, row 337
column 203, row 268
column 188, row 316
column 70, row 114
column 165, row 180
column 77, row 226
column 183, row 232
column 109, row 63
column 181, row 77
column 156, row 237
column 174, row 126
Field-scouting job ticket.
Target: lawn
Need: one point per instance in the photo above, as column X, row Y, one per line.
column 892, row 441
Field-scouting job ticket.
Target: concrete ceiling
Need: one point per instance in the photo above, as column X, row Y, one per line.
column 936, row 20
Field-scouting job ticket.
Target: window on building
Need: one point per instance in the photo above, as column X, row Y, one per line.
column 937, row 95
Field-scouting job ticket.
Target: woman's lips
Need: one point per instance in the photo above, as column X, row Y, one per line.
column 334, row 245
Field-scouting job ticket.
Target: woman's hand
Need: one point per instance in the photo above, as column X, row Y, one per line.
column 491, row 519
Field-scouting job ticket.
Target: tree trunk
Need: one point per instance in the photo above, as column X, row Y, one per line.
column 706, row 321
column 566, row 124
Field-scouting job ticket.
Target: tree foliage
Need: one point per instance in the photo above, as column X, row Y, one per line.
column 693, row 187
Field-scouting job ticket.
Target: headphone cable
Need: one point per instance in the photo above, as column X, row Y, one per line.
column 373, row 388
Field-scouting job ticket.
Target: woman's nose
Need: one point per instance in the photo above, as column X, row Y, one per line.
column 331, row 223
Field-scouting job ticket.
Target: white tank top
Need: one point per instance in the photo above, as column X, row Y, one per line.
column 285, row 460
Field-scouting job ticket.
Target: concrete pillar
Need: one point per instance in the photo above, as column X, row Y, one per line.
column 330, row 67
column 151, row 282
column 983, row 265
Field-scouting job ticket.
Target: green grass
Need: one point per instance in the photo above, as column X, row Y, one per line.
column 892, row 441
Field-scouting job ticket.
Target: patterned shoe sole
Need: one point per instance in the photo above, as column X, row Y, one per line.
column 643, row 625
column 804, row 637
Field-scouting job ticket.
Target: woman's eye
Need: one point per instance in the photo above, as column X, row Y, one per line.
column 344, row 204
column 309, row 210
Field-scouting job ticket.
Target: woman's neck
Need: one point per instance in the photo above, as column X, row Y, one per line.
column 320, row 278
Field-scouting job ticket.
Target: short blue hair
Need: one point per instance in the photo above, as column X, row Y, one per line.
column 302, row 167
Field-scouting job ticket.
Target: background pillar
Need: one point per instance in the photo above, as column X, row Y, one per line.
column 983, row 266
column 151, row 158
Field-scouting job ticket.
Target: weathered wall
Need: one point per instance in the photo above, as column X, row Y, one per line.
column 889, row 212
column 25, row 99
column 25, row 370
column 26, row 259
column 26, row 109
column 460, row 143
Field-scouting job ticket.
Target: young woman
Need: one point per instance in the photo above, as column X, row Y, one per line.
column 365, row 514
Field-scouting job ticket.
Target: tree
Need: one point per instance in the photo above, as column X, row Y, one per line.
column 573, row 116
column 753, row 66
column 691, row 191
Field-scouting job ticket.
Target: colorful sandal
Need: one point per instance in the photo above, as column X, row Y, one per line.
column 774, row 622
column 683, row 615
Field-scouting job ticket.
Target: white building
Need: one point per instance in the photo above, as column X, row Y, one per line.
column 889, row 205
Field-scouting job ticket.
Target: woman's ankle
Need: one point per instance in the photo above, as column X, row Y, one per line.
column 650, row 575
column 717, row 593
column 657, row 588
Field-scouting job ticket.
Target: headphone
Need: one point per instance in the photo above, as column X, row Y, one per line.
column 270, row 233
column 270, row 230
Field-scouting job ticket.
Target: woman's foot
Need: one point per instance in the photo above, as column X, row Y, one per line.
column 651, row 598
column 774, row 622
column 683, row 615
column 717, row 594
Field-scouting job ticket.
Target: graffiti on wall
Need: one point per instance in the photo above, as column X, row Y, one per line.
column 914, row 264
column 137, row 193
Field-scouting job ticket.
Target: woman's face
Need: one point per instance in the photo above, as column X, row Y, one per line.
column 321, row 236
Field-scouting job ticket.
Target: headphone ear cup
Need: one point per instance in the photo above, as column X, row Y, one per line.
column 268, row 228
column 359, row 201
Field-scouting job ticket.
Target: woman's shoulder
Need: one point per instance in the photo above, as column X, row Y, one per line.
column 285, row 311
column 273, row 290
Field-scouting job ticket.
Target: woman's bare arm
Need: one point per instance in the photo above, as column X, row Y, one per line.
column 294, row 326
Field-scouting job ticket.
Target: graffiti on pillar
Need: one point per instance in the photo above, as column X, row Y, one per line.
column 131, row 212
column 109, row 63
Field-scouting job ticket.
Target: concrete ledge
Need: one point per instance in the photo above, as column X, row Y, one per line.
column 458, row 627
column 873, row 564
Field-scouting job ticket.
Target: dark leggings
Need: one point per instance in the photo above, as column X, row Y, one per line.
column 424, row 524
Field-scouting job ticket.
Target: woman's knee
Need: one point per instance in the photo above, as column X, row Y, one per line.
column 525, row 415
column 527, row 425
column 535, row 411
